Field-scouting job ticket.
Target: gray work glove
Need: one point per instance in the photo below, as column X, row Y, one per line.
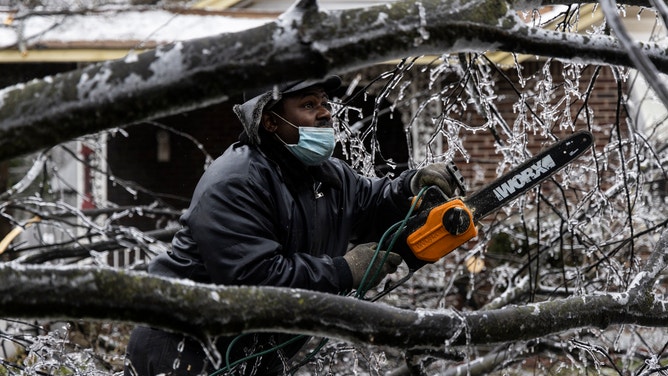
column 445, row 176
column 359, row 258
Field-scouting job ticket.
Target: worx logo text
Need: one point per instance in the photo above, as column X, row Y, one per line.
column 526, row 177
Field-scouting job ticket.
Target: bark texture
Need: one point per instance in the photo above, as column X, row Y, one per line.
column 205, row 310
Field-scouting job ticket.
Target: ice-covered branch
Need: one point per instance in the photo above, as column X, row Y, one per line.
column 301, row 44
column 510, row 295
column 82, row 250
column 640, row 61
column 642, row 284
column 28, row 179
column 524, row 4
column 489, row 362
column 48, row 292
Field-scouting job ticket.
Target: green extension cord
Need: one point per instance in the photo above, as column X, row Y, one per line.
column 359, row 294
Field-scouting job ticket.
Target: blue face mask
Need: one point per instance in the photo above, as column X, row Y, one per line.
column 315, row 144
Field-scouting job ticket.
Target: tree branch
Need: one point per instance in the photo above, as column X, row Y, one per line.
column 300, row 44
column 642, row 284
column 522, row 287
column 82, row 250
column 54, row 292
column 640, row 61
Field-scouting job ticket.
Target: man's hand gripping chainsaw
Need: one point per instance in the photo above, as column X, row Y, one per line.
column 441, row 224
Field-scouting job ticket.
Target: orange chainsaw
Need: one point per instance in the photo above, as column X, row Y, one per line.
column 441, row 224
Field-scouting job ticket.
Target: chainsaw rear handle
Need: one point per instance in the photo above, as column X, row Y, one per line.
column 439, row 226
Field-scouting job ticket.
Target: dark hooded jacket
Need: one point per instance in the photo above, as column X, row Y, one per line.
column 260, row 217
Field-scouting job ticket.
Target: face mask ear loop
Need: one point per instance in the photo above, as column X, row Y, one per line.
column 285, row 120
column 289, row 123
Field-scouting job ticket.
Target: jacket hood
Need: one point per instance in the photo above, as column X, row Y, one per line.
column 250, row 112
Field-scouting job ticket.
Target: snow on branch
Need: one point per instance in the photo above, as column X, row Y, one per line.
column 28, row 179
column 208, row 310
column 640, row 61
column 197, row 73
column 642, row 284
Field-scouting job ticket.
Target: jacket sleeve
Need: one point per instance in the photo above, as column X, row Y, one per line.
column 380, row 203
column 236, row 230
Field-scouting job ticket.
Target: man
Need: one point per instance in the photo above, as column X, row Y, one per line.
column 276, row 210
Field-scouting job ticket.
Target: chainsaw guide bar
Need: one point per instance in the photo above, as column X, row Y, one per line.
column 441, row 224
column 527, row 175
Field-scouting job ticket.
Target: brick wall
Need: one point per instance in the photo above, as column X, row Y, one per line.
column 571, row 114
column 481, row 162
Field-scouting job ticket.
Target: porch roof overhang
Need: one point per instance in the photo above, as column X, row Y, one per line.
column 111, row 33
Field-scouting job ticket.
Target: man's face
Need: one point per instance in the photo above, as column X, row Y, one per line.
column 306, row 108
